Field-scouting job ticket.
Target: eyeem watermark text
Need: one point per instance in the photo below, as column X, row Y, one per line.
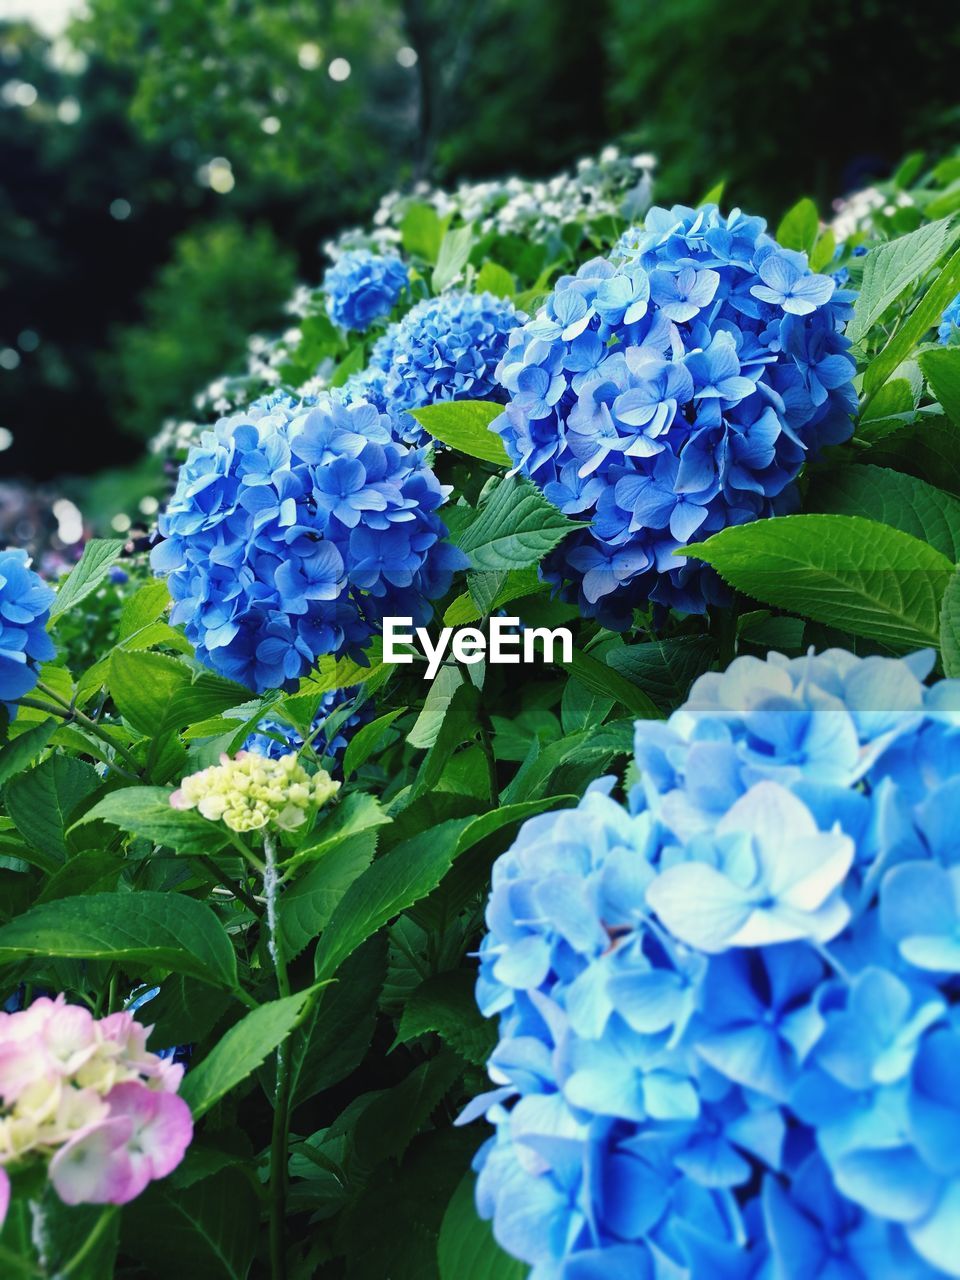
column 503, row 642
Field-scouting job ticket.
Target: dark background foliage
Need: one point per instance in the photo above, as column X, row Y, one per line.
column 128, row 280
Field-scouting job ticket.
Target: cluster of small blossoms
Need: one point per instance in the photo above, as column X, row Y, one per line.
column 274, row 737
column 363, row 287
column 860, row 213
column 949, row 330
column 728, row 1013
column 611, row 185
column 444, row 348
column 249, row 791
column 25, row 601
column 293, row 531
column 88, row 1100
column 670, row 391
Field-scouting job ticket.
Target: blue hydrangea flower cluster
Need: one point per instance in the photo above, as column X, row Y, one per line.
column 444, row 348
column 25, row 601
column 363, row 287
column 729, row 1027
column 274, row 737
column 670, row 391
column 293, row 531
column 949, row 329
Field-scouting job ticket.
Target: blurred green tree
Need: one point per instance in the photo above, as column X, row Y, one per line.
column 223, row 282
column 815, row 98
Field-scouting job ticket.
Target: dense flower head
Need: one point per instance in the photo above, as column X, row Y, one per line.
column 444, row 348
column 249, row 791
column 949, row 330
column 672, row 390
column 293, row 531
column 728, row 1010
column 25, row 601
column 363, row 287
column 330, row 732
column 85, row 1097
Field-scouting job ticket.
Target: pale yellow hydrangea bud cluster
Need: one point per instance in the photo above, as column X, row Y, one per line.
column 249, row 792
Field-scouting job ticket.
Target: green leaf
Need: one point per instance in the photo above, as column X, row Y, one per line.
column 144, row 685
column 799, row 226
column 367, row 741
column 492, row 278
column 465, row 426
column 664, row 669
column 517, row 584
column 891, row 267
column 24, row 749
column 359, row 812
column 466, row 1249
column 950, row 627
column 43, row 802
column 515, row 529
column 395, row 881
column 452, row 257
column 446, row 1005
column 307, row 905
column 823, row 251
column 335, row 1036
column 929, row 450
column 421, row 232
column 605, row 680
column 353, row 362
column 147, row 812
column 166, row 930
column 440, row 694
column 344, row 673
column 459, row 725
column 90, row 871
column 941, row 367
column 893, row 498
column 211, row 1231
column 244, row 1047
column 715, row 194
column 144, row 607
column 94, row 565
column 921, row 320
column 388, row 1125
column 850, row 573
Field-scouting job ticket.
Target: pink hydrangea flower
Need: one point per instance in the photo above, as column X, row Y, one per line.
column 145, row 1137
column 90, row 1098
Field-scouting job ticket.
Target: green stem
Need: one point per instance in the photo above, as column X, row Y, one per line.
column 103, row 1224
column 68, row 713
column 281, row 1102
column 235, row 887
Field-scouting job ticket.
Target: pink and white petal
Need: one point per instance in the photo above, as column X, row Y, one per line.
column 162, row 1126
column 94, row 1167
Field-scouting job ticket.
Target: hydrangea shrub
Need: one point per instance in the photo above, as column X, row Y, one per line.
column 363, row 287
column 294, row 529
column 672, row 390
column 444, row 348
column 727, row 1034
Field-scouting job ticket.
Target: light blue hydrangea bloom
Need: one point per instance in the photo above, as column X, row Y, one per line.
column 728, row 1010
column 949, row 330
column 670, row 391
column 363, row 287
column 25, row 601
column 444, row 348
column 294, row 530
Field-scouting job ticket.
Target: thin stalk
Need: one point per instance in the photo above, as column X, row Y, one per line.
column 103, row 1224
column 235, row 887
column 281, row 1102
column 67, row 713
